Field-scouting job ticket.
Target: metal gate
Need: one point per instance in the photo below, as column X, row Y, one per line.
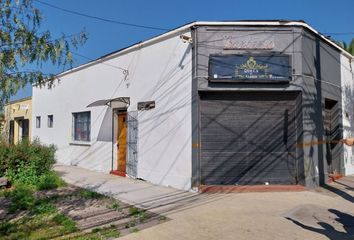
column 248, row 138
column 333, row 135
column 132, row 144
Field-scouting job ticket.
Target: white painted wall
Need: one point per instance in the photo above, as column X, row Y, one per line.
column 159, row 72
column 347, row 68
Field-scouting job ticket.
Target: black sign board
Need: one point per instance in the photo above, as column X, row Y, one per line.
column 249, row 68
column 146, row 105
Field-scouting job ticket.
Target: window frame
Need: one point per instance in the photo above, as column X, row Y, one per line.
column 38, row 121
column 50, row 121
column 76, row 121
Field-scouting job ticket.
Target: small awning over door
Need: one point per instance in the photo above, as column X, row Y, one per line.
column 121, row 102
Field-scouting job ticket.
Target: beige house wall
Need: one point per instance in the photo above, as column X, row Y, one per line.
column 16, row 111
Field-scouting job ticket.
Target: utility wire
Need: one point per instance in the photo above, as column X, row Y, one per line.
column 99, row 61
column 138, row 25
column 100, row 18
column 339, row 33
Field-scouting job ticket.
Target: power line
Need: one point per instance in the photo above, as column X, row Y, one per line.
column 101, row 62
column 339, row 33
column 100, row 18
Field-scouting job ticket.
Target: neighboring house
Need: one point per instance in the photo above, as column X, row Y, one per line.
column 18, row 118
column 209, row 103
column 2, row 123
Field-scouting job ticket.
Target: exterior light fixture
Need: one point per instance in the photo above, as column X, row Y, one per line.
column 186, row 38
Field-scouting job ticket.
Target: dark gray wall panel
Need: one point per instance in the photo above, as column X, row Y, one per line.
column 321, row 80
column 211, row 40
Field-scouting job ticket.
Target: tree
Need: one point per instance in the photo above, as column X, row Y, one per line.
column 25, row 47
column 349, row 48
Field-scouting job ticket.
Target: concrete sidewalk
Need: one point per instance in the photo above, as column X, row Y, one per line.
column 323, row 213
column 157, row 199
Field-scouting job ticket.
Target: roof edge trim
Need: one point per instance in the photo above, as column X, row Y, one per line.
column 205, row 23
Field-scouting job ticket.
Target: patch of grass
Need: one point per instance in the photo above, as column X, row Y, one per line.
column 50, row 180
column 111, row 233
column 7, row 228
column 2, row 192
column 97, row 234
column 133, row 211
column 89, row 194
column 44, row 221
column 67, row 223
column 130, row 224
column 43, row 207
column 38, row 227
column 21, row 198
column 142, row 216
column 96, row 230
column 115, row 206
column 138, row 213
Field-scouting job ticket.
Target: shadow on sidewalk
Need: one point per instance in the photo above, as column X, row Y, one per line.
column 342, row 193
column 326, row 229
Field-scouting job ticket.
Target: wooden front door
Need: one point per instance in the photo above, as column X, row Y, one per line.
column 122, row 143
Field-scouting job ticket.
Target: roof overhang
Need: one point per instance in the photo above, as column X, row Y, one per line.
column 121, row 102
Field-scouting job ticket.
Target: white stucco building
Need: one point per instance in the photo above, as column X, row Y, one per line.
column 157, row 70
column 347, row 66
column 160, row 110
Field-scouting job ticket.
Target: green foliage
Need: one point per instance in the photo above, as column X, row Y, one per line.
column 37, row 227
column 25, row 174
column 6, row 228
column 115, row 206
column 111, row 232
column 45, row 221
column 68, row 224
column 142, row 216
column 21, row 198
column 43, row 207
column 348, row 47
column 26, row 162
column 133, row 211
column 134, row 230
column 130, row 224
column 23, row 43
column 95, row 230
column 99, row 234
column 88, row 194
column 138, row 213
column 50, row 180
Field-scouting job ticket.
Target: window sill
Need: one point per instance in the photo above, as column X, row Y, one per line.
column 87, row 144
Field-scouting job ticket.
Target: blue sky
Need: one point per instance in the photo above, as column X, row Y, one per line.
column 326, row 16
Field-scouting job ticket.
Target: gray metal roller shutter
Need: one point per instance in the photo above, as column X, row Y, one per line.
column 248, row 138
